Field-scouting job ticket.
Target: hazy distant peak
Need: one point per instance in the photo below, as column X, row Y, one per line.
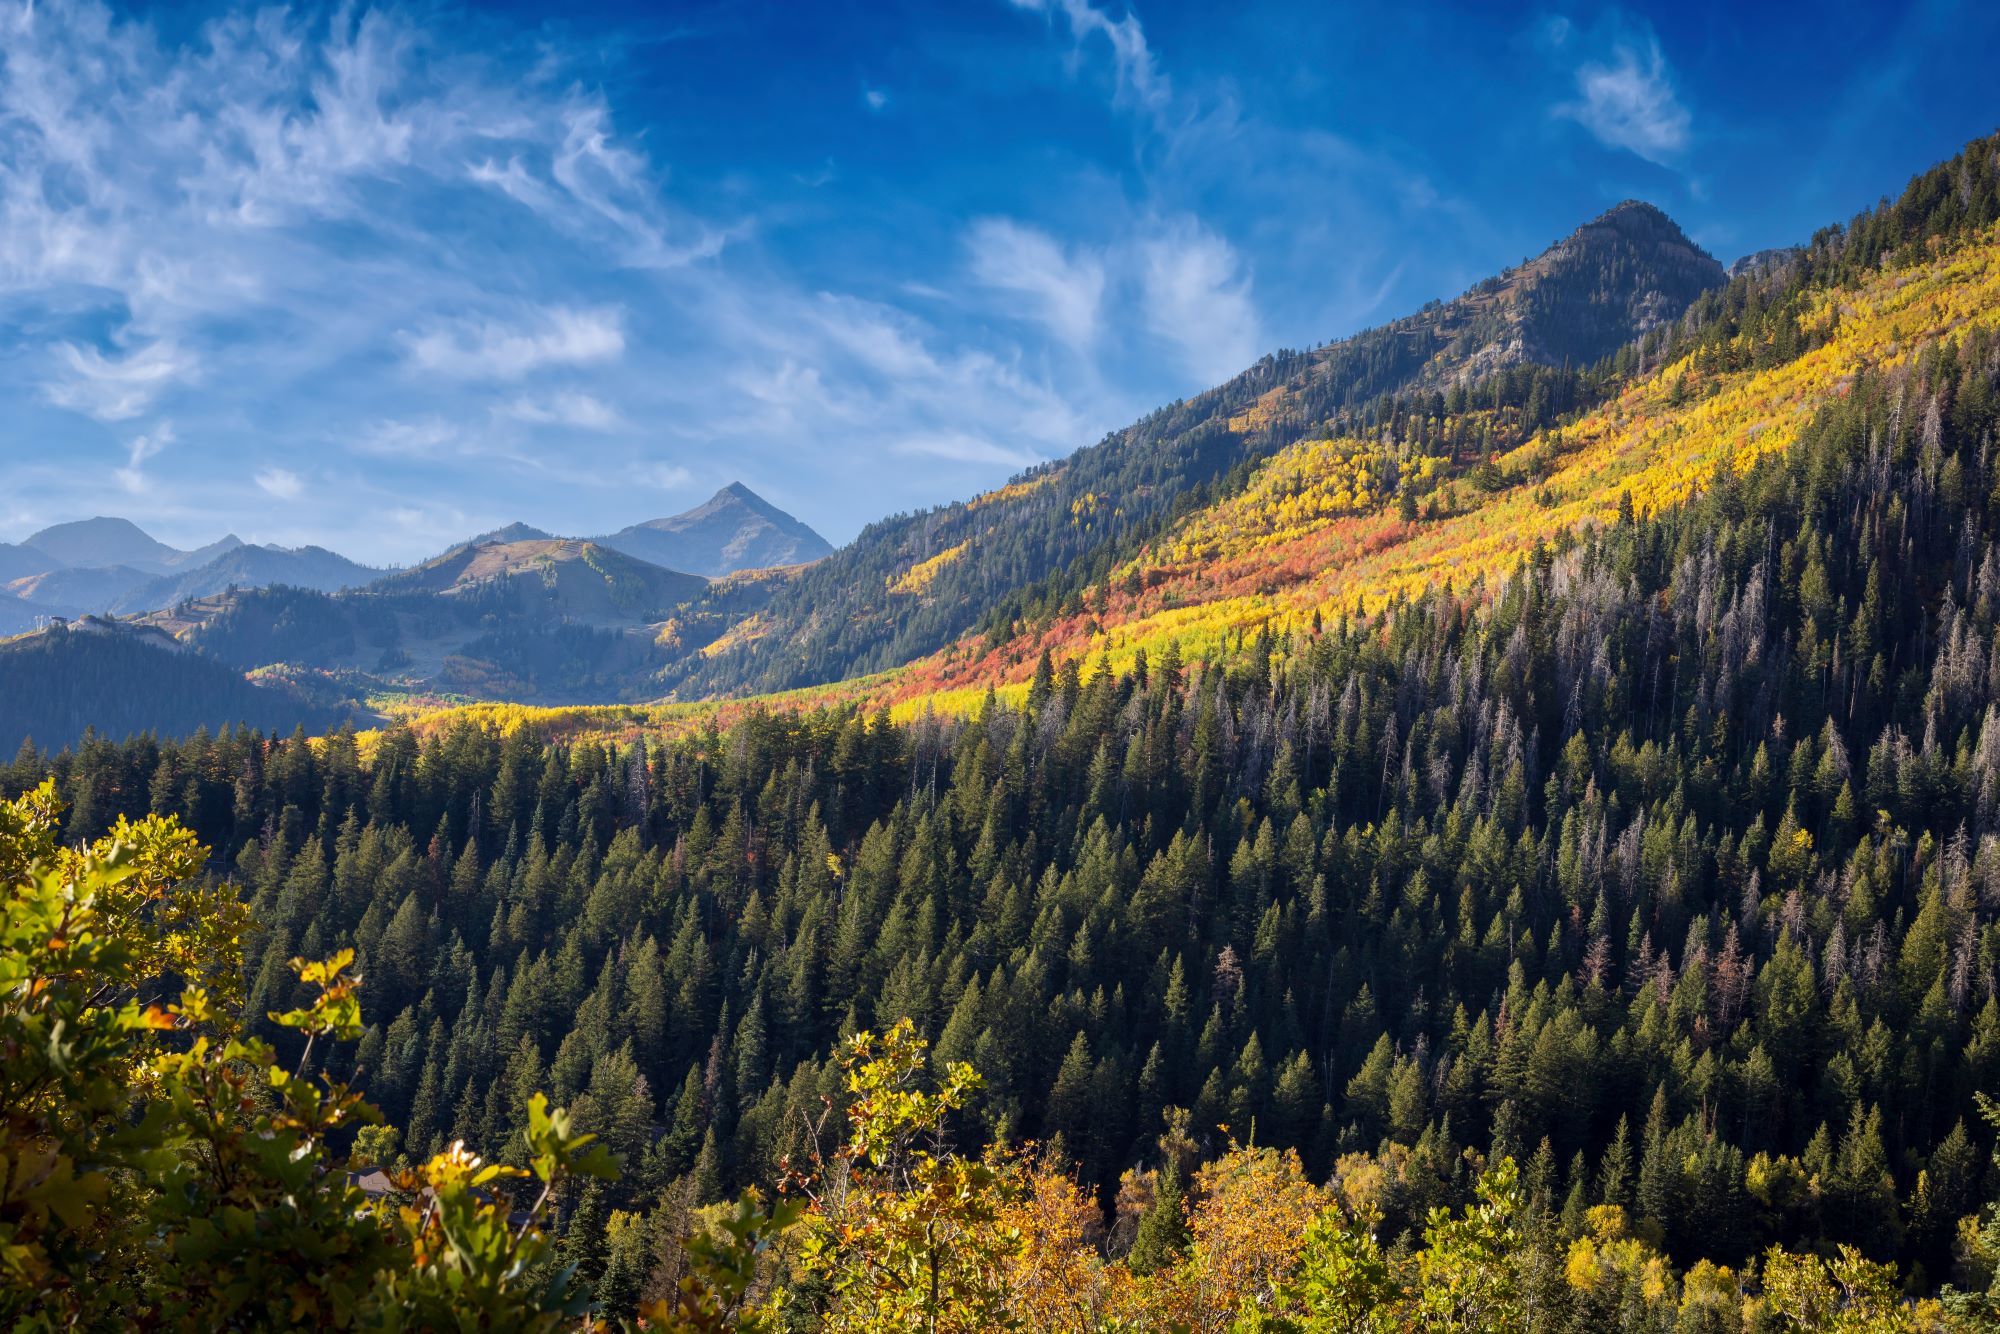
column 100, row 541
column 734, row 529
column 107, row 542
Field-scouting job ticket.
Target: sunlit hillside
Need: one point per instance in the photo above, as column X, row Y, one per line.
column 1322, row 527
column 1326, row 526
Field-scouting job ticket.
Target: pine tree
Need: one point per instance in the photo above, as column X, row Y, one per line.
column 1163, row 1234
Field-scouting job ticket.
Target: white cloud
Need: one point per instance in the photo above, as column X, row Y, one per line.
column 841, row 374
column 960, row 447
column 281, row 482
column 662, row 476
column 610, row 182
column 514, row 180
column 565, row 409
column 1138, row 75
column 172, row 190
column 1063, row 291
column 428, row 528
column 112, row 388
column 276, row 203
column 568, row 408
column 421, row 438
column 1197, row 299
column 1629, row 102
column 132, row 476
column 270, row 160
column 487, row 349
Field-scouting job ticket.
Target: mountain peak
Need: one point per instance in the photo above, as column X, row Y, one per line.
column 734, row 529
column 102, row 541
column 1637, row 220
column 1631, row 208
column 105, row 525
column 1623, row 273
column 513, row 532
column 737, row 496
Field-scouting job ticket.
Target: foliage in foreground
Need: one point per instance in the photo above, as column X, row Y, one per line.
column 158, row 1169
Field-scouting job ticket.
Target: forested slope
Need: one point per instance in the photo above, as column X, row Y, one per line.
column 57, row 684
column 1669, row 869
column 910, row 584
column 1630, row 813
column 1425, row 488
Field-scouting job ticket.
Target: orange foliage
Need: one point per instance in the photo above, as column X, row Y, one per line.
column 1059, row 1280
column 1249, row 1224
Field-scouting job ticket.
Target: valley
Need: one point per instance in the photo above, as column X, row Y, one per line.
column 1489, row 823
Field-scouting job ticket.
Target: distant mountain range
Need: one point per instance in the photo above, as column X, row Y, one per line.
column 735, row 595
column 276, row 635
column 124, row 589
column 108, row 541
column 112, row 565
column 109, row 565
column 1495, row 422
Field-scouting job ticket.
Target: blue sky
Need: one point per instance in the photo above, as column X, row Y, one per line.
column 378, row 278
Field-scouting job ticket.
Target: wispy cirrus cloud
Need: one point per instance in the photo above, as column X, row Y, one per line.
column 964, row 447
column 418, row 439
column 594, row 189
column 133, row 476
column 112, row 388
column 1197, row 299
column 280, row 483
column 411, row 247
column 564, row 408
column 1062, row 289
column 493, row 349
column 1624, row 93
column 1139, row 79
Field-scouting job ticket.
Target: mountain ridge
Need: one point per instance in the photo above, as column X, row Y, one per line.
column 911, row 584
column 1389, row 456
column 110, row 564
column 735, row 529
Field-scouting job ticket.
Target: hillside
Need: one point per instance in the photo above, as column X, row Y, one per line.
column 1328, row 525
column 17, row 616
column 73, row 590
column 1613, row 280
column 578, row 580
column 18, row 562
column 912, row 584
column 542, row 619
column 735, row 529
column 119, row 680
column 1612, row 930
column 1444, row 489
